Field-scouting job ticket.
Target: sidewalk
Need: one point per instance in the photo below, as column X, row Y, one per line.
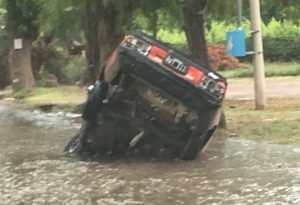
column 277, row 87
column 238, row 89
column 5, row 92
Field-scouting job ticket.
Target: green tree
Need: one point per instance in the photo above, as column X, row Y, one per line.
column 221, row 10
column 21, row 18
column 280, row 10
column 114, row 21
column 103, row 23
column 61, row 20
column 4, row 72
column 157, row 14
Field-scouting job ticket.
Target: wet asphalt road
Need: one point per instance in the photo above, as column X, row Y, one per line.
column 33, row 170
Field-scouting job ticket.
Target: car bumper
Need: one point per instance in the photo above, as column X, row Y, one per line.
column 156, row 75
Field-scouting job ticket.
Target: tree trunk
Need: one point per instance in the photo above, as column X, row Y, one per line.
column 4, row 76
column 193, row 12
column 154, row 21
column 20, row 66
column 22, row 29
column 109, row 34
column 130, row 6
column 92, row 18
column 4, row 71
column 103, row 33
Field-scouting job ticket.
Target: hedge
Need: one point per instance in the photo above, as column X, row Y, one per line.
column 281, row 39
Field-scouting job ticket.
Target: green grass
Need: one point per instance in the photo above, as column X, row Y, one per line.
column 278, row 124
column 271, row 69
column 21, row 94
column 67, row 98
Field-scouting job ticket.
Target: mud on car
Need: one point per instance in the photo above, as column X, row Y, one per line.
column 150, row 100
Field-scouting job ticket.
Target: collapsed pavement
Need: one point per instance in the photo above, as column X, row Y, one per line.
column 150, row 100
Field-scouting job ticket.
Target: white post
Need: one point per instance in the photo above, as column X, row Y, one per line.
column 259, row 68
column 239, row 9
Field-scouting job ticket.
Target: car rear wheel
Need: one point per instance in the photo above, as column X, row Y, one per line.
column 191, row 149
column 74, row 146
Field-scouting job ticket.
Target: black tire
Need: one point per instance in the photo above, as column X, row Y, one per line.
column 74, row 146
column 207, row 137
column 196, row 144
column 191, row 149
column 93, row 104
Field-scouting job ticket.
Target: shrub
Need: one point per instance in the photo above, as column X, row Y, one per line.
column 281, row 39
column 75, row 68
column 48, row 59
column 282, row 49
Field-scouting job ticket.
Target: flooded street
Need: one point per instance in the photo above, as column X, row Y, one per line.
column 33, row 170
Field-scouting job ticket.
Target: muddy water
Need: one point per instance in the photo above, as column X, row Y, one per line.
column 232, row 171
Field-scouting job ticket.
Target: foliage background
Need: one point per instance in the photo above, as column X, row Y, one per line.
column 281, row 39
column 3, row 50
column 60, row 20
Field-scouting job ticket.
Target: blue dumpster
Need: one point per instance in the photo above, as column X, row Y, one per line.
column 236, row 43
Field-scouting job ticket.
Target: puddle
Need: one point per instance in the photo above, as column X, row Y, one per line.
column 33, row 170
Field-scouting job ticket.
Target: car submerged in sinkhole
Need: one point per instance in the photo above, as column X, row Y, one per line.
column 150, row 100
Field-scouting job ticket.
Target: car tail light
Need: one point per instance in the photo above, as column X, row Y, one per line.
column 217, row 88
column 138, row 45
column 222, row 89
column 194, row 75
column 157, row 54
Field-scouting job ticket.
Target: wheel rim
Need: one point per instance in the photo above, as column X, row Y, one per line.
column 74, row 146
